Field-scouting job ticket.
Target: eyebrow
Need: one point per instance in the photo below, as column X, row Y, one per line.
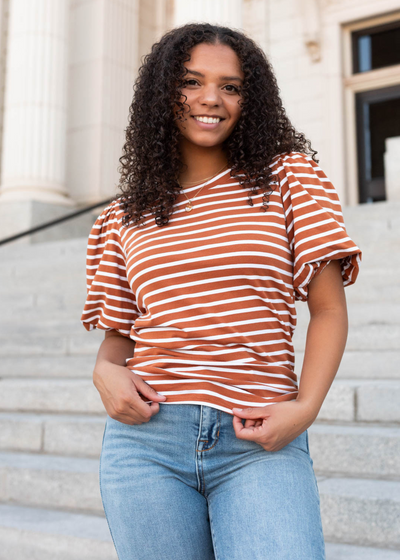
column 234, row 78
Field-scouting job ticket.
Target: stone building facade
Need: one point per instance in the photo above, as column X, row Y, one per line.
column 67, row 69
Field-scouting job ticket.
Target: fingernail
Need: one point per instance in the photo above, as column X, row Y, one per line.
column 239, row 409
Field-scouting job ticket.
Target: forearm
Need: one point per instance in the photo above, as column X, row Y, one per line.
column 116, row 349
column 325, row 345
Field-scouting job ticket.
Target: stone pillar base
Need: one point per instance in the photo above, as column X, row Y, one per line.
column 18, row 216
column 392, row 168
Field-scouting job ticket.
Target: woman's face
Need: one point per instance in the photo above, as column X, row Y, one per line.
column 212, row 88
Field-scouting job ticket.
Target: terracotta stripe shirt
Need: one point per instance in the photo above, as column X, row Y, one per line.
column 209, row 299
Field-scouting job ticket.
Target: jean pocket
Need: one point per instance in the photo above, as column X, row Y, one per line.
column 307, row 442
column 301, row 442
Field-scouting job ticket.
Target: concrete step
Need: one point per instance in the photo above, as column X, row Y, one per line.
column 48, row 251
column 361, row 400
column 73, row 435
column 47, row 366
column 44, row 534
column 369, row 214
column 373, row 289
column 43, row 326
column 348, row 400
column 354, row 510
column 359, row 511
column 50, row 481
column 364, row 364
column 361, row 337
column 338, row 450
column 335, row 551
column 77, row 396
column 68, row 298
column 68, row 321
column 359, row 450
column 359, row 313
column 43, row 277
column 52, row 345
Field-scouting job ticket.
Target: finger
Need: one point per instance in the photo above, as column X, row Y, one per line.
column 251, row 432
column 238, row 425
column 147, row 390
column 143, row 410
column 237, row 422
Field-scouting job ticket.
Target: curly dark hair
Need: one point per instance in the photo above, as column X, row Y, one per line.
column 151, row 162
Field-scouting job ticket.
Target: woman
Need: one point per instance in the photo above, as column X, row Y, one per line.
column 224, row 220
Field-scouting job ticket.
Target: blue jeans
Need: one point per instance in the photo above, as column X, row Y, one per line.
column 183, row 487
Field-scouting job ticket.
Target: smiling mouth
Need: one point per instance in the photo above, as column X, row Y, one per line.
column 208, row 120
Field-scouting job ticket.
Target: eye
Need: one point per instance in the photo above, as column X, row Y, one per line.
column 187, row 81
column 234, row 87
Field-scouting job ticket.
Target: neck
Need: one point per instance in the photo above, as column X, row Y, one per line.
column 200, row 162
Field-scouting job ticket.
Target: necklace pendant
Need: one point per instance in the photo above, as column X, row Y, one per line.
column 188, row 207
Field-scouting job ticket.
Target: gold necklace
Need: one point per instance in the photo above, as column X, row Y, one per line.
column 189, row 206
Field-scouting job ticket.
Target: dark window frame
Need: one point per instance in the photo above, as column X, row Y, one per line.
column 365, row 186
column 355, row 35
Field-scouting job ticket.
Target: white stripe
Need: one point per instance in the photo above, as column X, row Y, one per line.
column 193, row 272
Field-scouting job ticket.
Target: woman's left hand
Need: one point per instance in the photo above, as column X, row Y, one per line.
column 273, row 426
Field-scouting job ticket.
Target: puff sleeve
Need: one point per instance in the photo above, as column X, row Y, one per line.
column 110, row 302
column 314, row 223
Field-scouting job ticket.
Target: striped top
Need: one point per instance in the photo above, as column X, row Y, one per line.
column 209, row 299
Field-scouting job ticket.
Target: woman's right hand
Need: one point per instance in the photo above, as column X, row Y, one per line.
column 119, row 390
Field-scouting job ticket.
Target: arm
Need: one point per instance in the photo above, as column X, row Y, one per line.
column 275, row 426
column 326, row 337
column 118, row 386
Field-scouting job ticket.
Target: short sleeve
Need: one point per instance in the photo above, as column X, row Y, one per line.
column 110, row 302
column 314, row 223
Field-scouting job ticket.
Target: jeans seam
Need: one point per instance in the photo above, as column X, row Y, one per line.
column 212, row 535
column 101, row 490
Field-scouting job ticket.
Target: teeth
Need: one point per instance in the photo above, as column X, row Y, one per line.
column 208, row 120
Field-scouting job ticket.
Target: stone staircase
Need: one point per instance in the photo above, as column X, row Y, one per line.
column 52, row 419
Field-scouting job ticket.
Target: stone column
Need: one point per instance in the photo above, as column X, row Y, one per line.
column 392, row 168
column 33, row 164
column 32, row 188
column 104, row 59
column 223, row 12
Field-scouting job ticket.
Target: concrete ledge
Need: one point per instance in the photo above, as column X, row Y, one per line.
column 79, row 436
column 348, row 400
column 362, row 512
column 40, row 534
column 47, row 366
column 50, row 395
column 50, row 482
column 367, row 451
column 336, row 551
column 363, row 400
column 364, row 364
column 354, row 510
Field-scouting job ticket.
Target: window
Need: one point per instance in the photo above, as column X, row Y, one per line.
column 378, row 118
column 376, row 47
column 374, row 82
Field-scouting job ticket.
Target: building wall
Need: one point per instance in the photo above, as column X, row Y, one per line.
column 305, row 41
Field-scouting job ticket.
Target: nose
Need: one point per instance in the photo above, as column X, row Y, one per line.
column 210, row 95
